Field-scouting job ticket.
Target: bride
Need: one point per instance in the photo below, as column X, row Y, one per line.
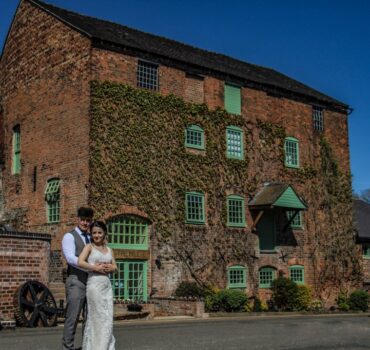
column 98, row 259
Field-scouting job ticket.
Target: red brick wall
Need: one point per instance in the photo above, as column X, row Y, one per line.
column 45, row 82
column 21, row 259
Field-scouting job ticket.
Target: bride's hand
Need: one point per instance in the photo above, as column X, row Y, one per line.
column 108, row 268
column 100, row 268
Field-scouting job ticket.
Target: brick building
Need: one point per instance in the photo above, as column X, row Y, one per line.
column 206, row 168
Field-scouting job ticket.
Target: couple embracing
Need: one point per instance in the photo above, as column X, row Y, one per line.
column 89, row 261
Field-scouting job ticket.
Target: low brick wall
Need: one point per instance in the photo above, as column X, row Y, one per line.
column 24, row 256
column 178, row 307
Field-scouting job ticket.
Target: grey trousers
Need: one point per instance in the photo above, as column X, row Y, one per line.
column 76, row 301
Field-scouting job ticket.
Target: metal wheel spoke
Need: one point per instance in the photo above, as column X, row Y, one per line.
column 27, row 303
column 44, row 319
column 33, row 292
column 34, row 317
column 49, row 310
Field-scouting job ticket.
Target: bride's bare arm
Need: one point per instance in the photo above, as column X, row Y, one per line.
column 82, row 261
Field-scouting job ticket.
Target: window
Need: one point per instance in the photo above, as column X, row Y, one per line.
column 235, row 211
column 318, row 118
column 130, row 280
column 234, row 142
column 16, row 165
column 194, row 206
column 232, row 99
column 194, row 137
column 296, row 274
column 147, row 75
column 297, row 221
column 52, row 197
column 366, row 251
column 129, row 232
column 291, row 152
column 266, row 276
column 236, row 277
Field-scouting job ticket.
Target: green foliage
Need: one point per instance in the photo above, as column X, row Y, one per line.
column 190, row 290
column 257, row 305
column 316, row 305
column 359, row 300
column 303, row 298
column 227, row 300
column 284, row 293
column 342, row 301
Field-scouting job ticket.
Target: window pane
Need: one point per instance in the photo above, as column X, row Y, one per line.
column 234, row 143
column 291, row 153
column 297, row 274
column 147, row 75
column 195, row 208
column 318, row 118
column 235, row 212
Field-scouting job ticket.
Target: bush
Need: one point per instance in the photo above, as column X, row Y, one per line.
column 284, row 294
column 316, row 305
column 227, row 300
column 303, row 298
column 189, row 290
column 359, row 300
column 342, row 301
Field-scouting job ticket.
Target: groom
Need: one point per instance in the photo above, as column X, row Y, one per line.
column 72, row 245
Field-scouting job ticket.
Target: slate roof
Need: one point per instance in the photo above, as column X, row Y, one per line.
column 269, row 194
column 362, row 220
column 110, row 34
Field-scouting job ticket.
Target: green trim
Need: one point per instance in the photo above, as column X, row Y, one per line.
column 194, row 208
column 232, row 99
column 297, row 222
column 52, row 198
column 266, row 276
column 236, row 277
column 235, row 211
column 129, row 282
column 16, row 141
column 289, row 199
column 291, row 148
column 234, row 142
column 194, row 137
column 296, row 273
column 366, row 251
column 128, row 232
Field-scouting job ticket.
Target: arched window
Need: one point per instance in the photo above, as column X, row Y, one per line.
column 236, row 277
column 296, row 274
column 128, row 232
column 266, row 276
column 52, row 198
column 194, row 137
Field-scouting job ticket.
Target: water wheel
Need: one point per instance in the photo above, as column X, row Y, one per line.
column 35, row 306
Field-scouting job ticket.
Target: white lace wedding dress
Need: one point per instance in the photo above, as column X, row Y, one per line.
column 98, row 334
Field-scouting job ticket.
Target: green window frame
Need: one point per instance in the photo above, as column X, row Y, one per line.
column 318, row 118
column 194, row 137
column 235, row 211
column 296, row 274
column 194, row 207
column 52, row 198
column 232, row 99
column 236, row 277
column 291, row 148
column 234, row 143
column 16, row 140
column 129, row 281
column 366, row 251
column 266, row 276
column 297, row 222
column 128, row 232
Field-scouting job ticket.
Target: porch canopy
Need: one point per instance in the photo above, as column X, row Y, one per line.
column 277, row 195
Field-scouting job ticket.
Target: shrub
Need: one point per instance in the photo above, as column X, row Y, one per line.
column 189, row 290
column 284, row 293
column 342, row 301
column 359, row 300
column 316, row 305
column 257, row 307
column 226, row 300
column 303, row 298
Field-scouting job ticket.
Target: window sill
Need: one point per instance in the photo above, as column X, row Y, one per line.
column 268, row 251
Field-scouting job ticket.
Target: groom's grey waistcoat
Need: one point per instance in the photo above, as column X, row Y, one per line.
column 79, row 244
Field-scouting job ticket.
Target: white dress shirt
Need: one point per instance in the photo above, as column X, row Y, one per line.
column 69, row 248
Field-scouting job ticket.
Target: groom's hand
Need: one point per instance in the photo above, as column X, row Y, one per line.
column 100, row 268
column 108, row 268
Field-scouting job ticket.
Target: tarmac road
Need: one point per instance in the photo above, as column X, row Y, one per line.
column 325, row 332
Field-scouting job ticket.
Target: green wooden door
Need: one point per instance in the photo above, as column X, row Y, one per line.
column 266, row 231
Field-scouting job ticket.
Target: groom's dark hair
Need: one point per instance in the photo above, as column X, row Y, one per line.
column 84, row 212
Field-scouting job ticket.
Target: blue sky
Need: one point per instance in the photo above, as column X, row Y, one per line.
column 322, row 43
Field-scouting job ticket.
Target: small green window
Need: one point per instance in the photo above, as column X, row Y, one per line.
column 16, row 165
column 52, row 197
column 296, row 274
column 234, row 143
column 128, row 232
column 235, row 211
column 129, row 282
column 236, row 277
column 194, row 137
column 266, row 276
column 232, row 99
column 366, row 251
column 194, row 206
column 291, row 148
column 297, row 222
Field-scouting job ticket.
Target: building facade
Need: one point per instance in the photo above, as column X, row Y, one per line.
column 205, row 168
